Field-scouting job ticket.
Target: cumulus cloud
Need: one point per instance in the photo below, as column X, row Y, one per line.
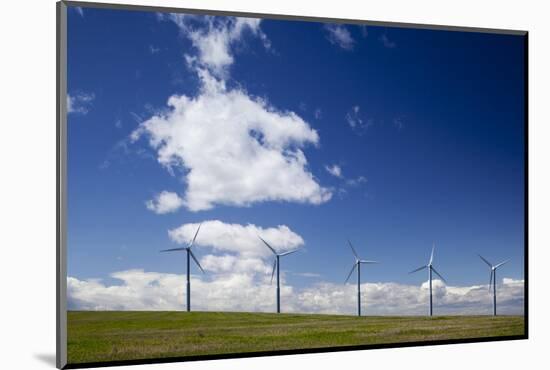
column 233, row 149
column 251, row 291
column 231, row 264
column 214, row 38
column 236, row 238
column 165, row 202
column 230, row 147
column 339, row 35
column 79, row 103
column 240, row 269
column 509, row 281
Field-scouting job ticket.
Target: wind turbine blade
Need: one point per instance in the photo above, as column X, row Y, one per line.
column 432, row 255
column 367, row 261
column 196, row 261
column 353, row 268
column 353, row 249
column 273, row 272
column 195, row 237
column 484, row 260
column 491, row 279
column 287, row 253
column 418, row 269
column 438, row 274
column 173, row 249
column 269, row 246
column 500, row 264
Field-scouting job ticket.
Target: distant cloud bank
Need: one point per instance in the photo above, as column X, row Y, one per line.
column 235, row 285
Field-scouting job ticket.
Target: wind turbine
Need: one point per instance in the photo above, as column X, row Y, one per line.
column 357, row 264
column 493, row 280
column 430, row 268
column 189, row 253
column 276, row 263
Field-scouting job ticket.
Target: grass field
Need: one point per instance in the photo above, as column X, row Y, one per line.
column 114, row 336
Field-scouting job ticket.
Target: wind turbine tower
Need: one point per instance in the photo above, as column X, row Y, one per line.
column 493, row 280
column 276, row 264
column 189, row 253
column 431, row 269
column 358, row 262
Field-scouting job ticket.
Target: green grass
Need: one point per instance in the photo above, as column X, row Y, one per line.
column 114, row 336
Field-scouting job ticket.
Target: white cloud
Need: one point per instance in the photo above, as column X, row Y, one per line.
column 357, row 123
column 251, row 291
column 356, row 181
column 232, row 264
column 214, row 38
column 234, row 149
column 509, row 281
column 153, row 49
column 387, row 42
column 236, row 238
column 240, row 273
column 307, row 274
column 364, row 31
column 334, row 170
column 80, row 102
column 165, row 202
column 339, row 35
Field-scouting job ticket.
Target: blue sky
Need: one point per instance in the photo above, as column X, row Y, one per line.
column 423, row 131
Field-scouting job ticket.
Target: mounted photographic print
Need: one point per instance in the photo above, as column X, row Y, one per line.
column 234, row 185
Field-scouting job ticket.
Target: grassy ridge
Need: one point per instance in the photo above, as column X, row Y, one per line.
column 113, row 336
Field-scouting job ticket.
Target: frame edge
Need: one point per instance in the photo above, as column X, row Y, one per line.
column 61, row 185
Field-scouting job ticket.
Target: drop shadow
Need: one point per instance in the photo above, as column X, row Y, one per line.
column 46, row 358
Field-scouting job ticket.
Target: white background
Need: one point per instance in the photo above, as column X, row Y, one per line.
column 27, row 206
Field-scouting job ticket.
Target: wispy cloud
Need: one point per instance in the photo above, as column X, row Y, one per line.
column 339, row 35
column 355, row 120
column 387, row 42
column 214, row 38
column 346, row 182
column 80, row 102
column 356, row 181
column 364, row 31
column 318, row 114
column 398, row 123
column 334, row 170
column 153, row 49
